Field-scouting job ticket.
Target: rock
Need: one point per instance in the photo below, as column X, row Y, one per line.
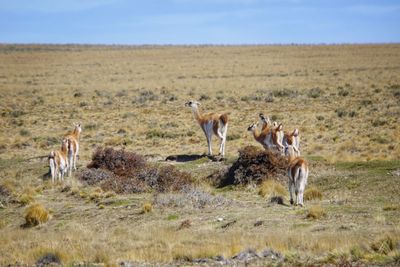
column 246, row 255
column 258, row 223
column 47, row 259
column 273, row 255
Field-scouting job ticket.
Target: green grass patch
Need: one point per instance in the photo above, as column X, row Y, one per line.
column 172, row 217
column 377, row 166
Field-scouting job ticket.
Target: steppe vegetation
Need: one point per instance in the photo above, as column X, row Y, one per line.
column 345, row 101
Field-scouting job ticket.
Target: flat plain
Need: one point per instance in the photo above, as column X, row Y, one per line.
column 344, row 99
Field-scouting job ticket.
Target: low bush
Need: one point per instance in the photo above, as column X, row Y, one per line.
column 315, row 92
column 254, row 165
column 127, row 172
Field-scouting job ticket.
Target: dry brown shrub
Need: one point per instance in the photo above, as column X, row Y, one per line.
column 254, row 165
column 127, row 172
column 119, row 162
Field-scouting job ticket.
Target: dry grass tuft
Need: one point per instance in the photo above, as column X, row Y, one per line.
column 315, row 212
column 391, row 207
column 271, row 188
column 384, row 245
column 36, row 214
column 312, row 193
column 185, row 224
column 147, row 207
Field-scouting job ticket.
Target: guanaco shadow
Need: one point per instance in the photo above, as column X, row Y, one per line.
column 192, row 157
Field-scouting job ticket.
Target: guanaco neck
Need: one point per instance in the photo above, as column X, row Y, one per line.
column 76, row 133
column 256, row 133
column 64, row 149
column 196, row 114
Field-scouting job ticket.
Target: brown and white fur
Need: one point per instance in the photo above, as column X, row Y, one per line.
column 286, row 138
column 58, row 161
column 73, row 147
column 211, row 123
column 265, row 122
column 298, row 174
column 268, row 138
column 292, row 139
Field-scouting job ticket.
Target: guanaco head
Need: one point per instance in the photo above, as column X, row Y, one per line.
column 192, row 104
column 264, row 119
column 252, row 127
column 78, row 128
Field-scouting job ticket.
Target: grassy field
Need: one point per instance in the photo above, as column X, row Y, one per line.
column 345, row 100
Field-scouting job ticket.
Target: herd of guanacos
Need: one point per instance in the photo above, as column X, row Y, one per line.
column 269, row 135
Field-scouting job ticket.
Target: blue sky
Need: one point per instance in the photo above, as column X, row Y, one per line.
column 199, row 22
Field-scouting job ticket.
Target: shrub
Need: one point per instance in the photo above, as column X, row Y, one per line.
column 185, row 224
column 342, row 91
column 315, row 212
column 271, row 188
column 204, row 97
column 341, row 112
column 128, row 172
column 36, row 214
column 312, row 193
column 119, row 162
column 24, row 132
column 160, row 134
column 5, row 194
column 145, row 96
column 284, row 93
column 315, row 92
column 254, row 165
column 379, row 122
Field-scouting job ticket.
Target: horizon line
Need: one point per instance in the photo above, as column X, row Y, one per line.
column 199, row 44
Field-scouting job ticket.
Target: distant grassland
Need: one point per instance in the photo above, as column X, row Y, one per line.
column 345, row 99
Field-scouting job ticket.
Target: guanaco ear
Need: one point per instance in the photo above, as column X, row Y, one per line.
column 198, row 103
column 251, row 126
column 280, row 127
column 295, row 132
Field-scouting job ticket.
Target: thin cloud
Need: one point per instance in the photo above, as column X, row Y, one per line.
column 51, row 6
